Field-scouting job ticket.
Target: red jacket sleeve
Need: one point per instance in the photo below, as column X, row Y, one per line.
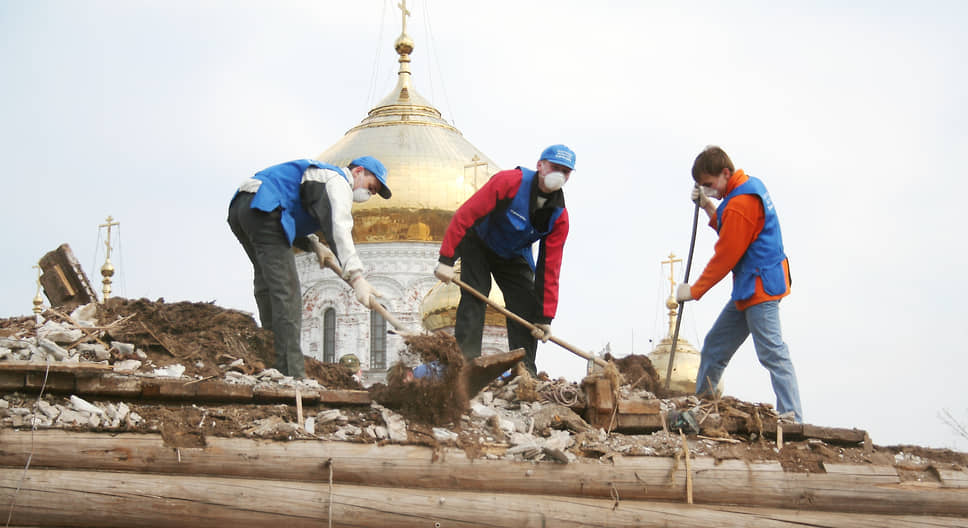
column 548, row 269
column 501, row 186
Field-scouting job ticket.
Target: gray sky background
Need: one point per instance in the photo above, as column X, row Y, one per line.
column 854, row 116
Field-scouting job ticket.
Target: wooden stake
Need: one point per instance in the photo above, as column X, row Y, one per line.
column 299, row 416
column 779, row 435
column 685, row 447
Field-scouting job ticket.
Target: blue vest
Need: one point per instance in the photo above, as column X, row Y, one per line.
column 280, row 188
column 509, row 233
column 764, row 257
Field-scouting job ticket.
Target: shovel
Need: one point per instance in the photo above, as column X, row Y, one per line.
column 520, row 320
column 476, row 373
column 328, row 260
column 682, row 305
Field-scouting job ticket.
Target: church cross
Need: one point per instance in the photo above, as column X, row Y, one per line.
column 475, row 162
column 404, row 13
column 110, row 223
column 672, row 263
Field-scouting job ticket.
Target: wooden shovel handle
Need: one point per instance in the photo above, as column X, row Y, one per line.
column 520, row 320
column 331, row 264
column 397, row 325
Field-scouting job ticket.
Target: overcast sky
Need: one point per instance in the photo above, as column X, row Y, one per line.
column 854, row 117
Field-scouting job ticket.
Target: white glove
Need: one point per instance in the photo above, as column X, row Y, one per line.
column 684, row 292
column 542, row 332
column 322, row 251
column 444, row 272
column 325, row 255
column 365, row 292
column 698, row 196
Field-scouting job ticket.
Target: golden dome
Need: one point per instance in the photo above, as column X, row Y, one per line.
column 431, row 168
column 686, row 366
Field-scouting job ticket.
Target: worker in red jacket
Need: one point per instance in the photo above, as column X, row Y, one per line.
column 751, row 247
column 493, row 233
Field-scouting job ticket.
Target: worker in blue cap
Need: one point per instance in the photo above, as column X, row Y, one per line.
column 275, row 210
column 493, row 232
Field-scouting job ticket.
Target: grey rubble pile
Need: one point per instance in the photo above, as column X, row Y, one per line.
column 519, row 430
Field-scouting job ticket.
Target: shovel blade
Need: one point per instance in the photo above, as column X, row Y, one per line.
column 479, row 372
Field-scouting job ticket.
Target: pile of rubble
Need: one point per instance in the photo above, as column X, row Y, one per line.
column 521, row 418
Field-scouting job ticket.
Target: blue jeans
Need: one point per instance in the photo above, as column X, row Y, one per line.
column 730, row 331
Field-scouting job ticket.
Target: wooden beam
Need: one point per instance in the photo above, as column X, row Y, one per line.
column 858, row 489
column 94, row 379
column 63, row 280
column 108, row 499
column 55, row 366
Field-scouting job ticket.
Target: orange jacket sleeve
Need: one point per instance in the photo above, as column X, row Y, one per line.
column 743, row 220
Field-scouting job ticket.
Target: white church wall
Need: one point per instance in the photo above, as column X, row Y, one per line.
column 403, row 272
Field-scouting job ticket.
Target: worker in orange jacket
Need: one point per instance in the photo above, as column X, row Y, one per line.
column 749, row 245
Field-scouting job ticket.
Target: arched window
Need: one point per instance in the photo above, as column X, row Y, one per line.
column 378, row 341
column 329, row 336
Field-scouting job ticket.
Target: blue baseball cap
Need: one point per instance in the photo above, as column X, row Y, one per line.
column 377, row 169
column 560, row 155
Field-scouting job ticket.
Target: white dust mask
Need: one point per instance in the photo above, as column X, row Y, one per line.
column 554, row 180
column 361, row 195
column 710, row 192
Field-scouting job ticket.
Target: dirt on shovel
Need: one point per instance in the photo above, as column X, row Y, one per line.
column 441, row 399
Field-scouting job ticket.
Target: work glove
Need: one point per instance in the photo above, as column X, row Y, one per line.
column 542, row 332
column 322, row 251
column 365, row 292
column 325, row 255
column 699, row 197
column 684, row 292
column 444, row 272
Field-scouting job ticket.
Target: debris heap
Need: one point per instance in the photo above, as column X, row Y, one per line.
column 182, row 386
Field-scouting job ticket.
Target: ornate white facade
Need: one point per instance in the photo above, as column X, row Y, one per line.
column 403, row 272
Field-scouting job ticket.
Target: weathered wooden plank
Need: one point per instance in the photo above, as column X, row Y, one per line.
column 54, row 366
column 164, row 388
column 222, row 391
column 834, row 434
column 12, row 381
column 63, row 280
column 268, row 393
column 50, row 381
column 871, row 473
column 109, row 385
column 638, row 422
column 638, row 407
column 606, row 400
column 107, row 499
column 356, row 397
column 953, row 478
column 639, row 478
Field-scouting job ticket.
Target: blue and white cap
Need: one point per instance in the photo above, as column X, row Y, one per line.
column 560, row 155
column 377, row 169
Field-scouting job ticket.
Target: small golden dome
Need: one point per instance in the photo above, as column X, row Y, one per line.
column 438, row 309
column 686, row 365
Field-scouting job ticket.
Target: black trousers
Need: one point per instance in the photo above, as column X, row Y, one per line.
column 276, row 282
column 516, row 280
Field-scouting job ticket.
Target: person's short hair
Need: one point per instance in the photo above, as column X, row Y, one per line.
column 712, row 160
